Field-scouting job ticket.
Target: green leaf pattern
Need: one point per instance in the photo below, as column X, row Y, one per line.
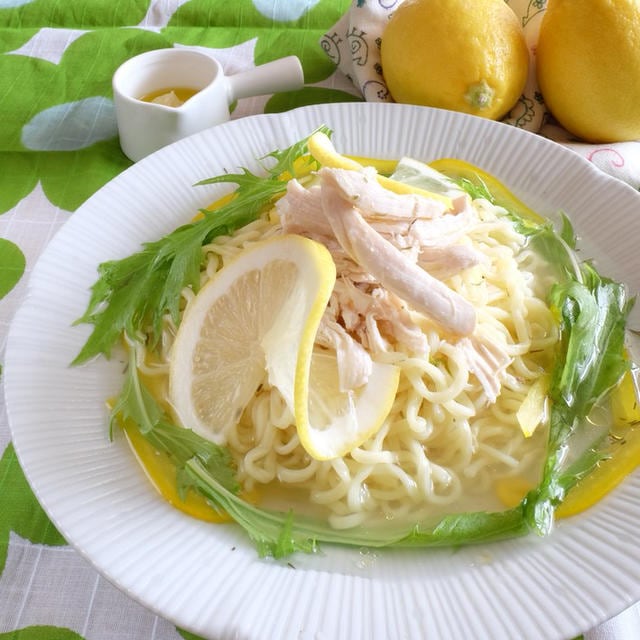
column 58, row 145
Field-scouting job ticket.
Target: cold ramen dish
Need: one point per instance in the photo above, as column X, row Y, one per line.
column 362, row 352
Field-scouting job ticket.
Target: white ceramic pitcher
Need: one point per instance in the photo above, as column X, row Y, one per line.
column 146, row 126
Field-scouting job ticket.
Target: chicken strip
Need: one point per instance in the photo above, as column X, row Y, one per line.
column 389, row 266
column 444, row 262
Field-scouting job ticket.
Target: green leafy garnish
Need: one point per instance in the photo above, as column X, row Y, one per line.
column 132, row 295
column 137, row 404
column 590, row 362
column 556, row 245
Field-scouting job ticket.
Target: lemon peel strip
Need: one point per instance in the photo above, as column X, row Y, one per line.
column 323, row 150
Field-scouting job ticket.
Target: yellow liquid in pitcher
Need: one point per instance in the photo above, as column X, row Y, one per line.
column 170, row 96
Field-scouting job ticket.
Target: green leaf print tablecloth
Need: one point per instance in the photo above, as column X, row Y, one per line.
column 58, row 145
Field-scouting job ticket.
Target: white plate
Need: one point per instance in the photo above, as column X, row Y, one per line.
column 208, row 578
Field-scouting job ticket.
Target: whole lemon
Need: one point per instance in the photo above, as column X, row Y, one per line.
column 588, row 67
column 463, row 55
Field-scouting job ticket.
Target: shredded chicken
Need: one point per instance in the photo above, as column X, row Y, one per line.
column 370, row 312
column 487, row 361
column 354, row 362
column 301, row 212
column 389, row 266
column 392, row 254
column 444, row 262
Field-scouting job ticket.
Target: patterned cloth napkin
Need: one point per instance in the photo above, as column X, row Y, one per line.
column 353, row 44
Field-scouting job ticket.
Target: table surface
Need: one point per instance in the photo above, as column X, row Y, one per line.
column 58, row 145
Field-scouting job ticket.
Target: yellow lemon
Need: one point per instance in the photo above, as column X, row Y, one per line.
column 254, row 323
column 588, row 67
column 332, row 422
column 624, row 400
column 246, row 325
column 463, row 55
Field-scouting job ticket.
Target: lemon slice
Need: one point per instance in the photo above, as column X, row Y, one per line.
column 322, row 149
column 246, row 326
column 330, row 422
column 255, row 322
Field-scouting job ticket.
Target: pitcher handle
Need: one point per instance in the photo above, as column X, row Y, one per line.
column 284, row 74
